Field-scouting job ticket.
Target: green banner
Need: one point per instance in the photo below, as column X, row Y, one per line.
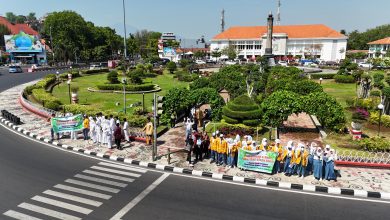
column 261, row 161
column 66, row 124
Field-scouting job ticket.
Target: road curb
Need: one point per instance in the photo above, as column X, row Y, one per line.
column 198, row 173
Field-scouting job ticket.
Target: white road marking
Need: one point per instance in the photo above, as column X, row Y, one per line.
column 99, row 180
column 141, row 196
column 385, row 196
column 73, row 198
column 109, row 175
column 20, row 216
column 123, row 167
column 82, row 191
column 116, row 171
column 63, row 205
column 48, row 212
column 93, row 186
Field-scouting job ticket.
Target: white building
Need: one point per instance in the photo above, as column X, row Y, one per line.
column 317, row 41
column 379, row 48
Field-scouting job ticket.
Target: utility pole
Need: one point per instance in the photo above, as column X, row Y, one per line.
column 278, row 16
column 52, row 45
column 124, row 27
column 154, row 150
column 223, row 20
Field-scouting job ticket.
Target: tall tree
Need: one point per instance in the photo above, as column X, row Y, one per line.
column 230, row 52
column 358, row 41
column 3, row 31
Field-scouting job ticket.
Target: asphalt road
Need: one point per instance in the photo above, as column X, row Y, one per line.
column 40, row 181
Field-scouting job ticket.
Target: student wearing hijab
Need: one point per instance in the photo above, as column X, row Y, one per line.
column 277, row 148
column 297, row 158
column 263, row 145
column 213, row 149
column 304, row 161
column 312, row 151
column 92, row 129
column 317, row 163
column 231, row 153
column 288, row 165
column 329, row 169
column 222, row 150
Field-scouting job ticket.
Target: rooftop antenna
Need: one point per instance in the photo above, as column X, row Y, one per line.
column 278, row 16
column 223, row 20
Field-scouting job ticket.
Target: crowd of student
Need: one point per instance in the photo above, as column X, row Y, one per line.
column 102, row 130
column 292, row 159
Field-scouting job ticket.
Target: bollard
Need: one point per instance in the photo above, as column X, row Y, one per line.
column 169, row 156
column 17, row 122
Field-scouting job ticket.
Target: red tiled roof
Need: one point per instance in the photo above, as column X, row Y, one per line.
column 16, row 28
column 381, row 41
column 292, row 31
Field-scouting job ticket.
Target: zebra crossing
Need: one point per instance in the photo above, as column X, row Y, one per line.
column 78, row 196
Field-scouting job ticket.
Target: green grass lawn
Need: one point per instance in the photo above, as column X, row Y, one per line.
column 343, row 91
column 106, row 101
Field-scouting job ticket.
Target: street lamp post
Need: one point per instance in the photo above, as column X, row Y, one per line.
column 124, row 27
column 124, row 81
column 380, row 107
column 70, row 98
column 320, row 81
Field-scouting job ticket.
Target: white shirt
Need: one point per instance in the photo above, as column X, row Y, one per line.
column 125, row 125
column 112, row 123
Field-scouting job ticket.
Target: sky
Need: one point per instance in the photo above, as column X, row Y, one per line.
column 193, row 18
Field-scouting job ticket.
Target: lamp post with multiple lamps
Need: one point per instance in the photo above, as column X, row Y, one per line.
column 380, row 107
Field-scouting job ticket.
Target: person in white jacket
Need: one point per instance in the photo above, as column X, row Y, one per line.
column 126, row 130
column 107, row 133
column 92, row 129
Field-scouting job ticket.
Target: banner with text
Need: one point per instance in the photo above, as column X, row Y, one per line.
column 261, row 161
column 65, row 124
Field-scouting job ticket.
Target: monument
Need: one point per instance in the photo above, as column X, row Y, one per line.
column 268, row 48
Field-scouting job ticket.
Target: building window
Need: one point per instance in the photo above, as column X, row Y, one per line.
column 249, row 47
column 241, row 47
column 257, row 47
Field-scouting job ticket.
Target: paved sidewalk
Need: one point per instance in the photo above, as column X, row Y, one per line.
column 352, row 178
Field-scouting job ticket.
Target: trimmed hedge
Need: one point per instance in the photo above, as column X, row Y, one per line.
column 323, row 76
column 47, row 99
column 42, row 84
column 235, row 107
column 375, row 144
column 95, row 71
column 118, row 87
column 242, row 114
column 229, row 120
column 344, row 79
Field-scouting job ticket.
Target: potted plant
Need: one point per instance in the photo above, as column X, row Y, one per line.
column 75, row 98
column 358, row 118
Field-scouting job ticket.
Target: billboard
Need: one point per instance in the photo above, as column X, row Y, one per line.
column 22, row 42
column 169, row 52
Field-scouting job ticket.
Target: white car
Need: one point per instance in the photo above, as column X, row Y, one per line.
column 230, row 62
column 94, row 67
column 283, row 63
column 310, row 64
column 365, row 65
column 200, row 62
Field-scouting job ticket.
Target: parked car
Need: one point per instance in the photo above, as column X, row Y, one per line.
column 200, row 62
column 230, row 62
column 365, row 65
column 95, row 67
column 379, row 67
column 211, row 61
column 283, row 63
column 15, row 69
column 310, row 64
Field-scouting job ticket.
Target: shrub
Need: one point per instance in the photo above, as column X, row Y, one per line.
column 379, row 85
column 28, row 90
column 304, row 87
column 374, row 119
column 171, row 66
column 369, row 103
column 242, row 110
column 388, row 80
column 112, row 77
column 148, row 67
column 360, row 115
column 386, row 91
column 75, row 74
column 47, row 99
column 375, row 93
column 118, row 87
column 81, row 109
column 136, row 76
column 198, row 83
column 186, row 76
column 234, row 129
column 323, row 76
column 344, row 79
column 46, row 81
column 378, row 77
column 376, row 144
column 350, row 102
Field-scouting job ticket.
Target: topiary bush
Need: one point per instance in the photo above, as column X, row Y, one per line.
column 344, row 79
column 112, row 77
column 171, row 66
column 136, row 76
column 242, row 110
